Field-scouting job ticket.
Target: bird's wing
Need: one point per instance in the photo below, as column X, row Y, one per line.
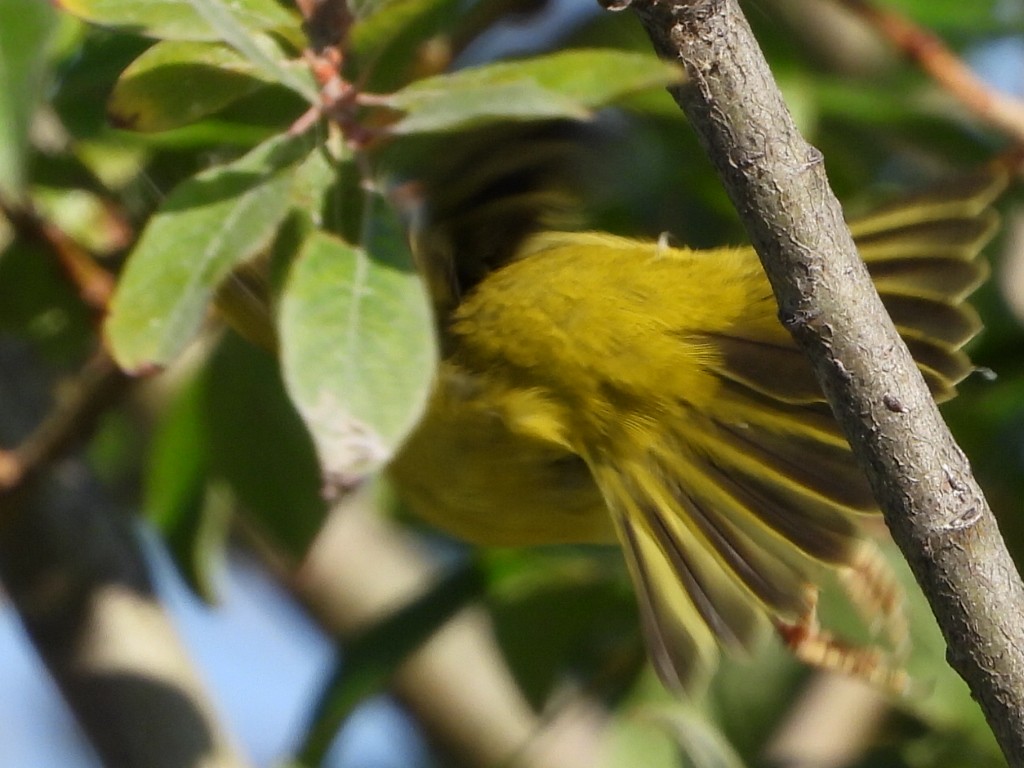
column 727, row 510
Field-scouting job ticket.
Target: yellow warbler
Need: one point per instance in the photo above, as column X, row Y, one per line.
column 603, row 389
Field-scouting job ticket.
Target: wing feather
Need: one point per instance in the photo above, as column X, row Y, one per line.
column 682, row 649
column 744, row 502
column 966, row 197
column 938, row 276
column 954, row 324
column 757, row 364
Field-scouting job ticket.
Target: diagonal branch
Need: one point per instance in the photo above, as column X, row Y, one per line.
column 74, row 570
column 999, row 110
column 73, row 566
column 922, row 480
column 457, row 685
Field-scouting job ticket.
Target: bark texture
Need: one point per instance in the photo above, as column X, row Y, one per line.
column 921, row 479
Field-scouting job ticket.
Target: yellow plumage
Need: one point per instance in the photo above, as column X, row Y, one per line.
column 602, row 389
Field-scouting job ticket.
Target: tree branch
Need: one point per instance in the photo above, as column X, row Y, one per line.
column 921, row 479
column 359, row 568
column 1000, row 110
column 73, row 569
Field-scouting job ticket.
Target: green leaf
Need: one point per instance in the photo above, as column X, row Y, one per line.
column 250, row 120
column 477, row 105
column 942, row 698
column 178, row 19
column 149, row 97
column 87, row 79
column 259, row 446
column 357, row 345
column 633, row 740
column 988, row 17
column 232, row 30
column 568, row 84
column 177, row 465
column 751, row 696
column 372, row 657
column 83, row 215
column 26, row 27
column 381, row 22
column 362, row 9
column 696, row 735
column 313, row 180
column 190, row 514
column 206, row 226
column 655, row 730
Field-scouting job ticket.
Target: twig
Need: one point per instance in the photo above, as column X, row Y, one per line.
column 920, row 477
column 326, row 22
column 94, row 284
column 1003, row 112
column 99, row 384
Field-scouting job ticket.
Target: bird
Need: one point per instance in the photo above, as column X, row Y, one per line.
column 601, row 389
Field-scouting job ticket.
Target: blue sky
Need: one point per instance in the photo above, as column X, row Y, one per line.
column 264, row 662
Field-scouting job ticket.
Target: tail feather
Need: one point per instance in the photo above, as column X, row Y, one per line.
column 759, row 557
column 690, row 599
column 803, row 529
column 728, row 513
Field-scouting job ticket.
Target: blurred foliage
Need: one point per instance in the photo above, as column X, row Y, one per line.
column 155, row 135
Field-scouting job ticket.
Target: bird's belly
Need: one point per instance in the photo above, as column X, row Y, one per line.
column 467, row 471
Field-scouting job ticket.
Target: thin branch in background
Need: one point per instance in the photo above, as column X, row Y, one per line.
column 833, row 723
column 932, row 504
column 999, row 110
column 94, row 284
column 98, row 385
